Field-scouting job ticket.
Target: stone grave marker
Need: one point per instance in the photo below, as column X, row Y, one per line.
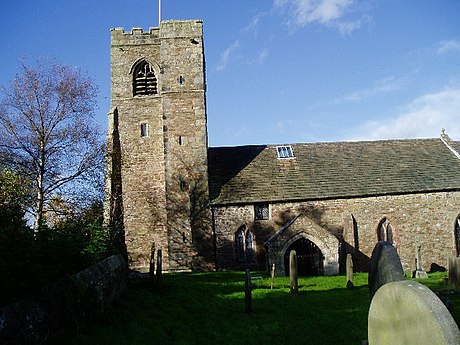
column 159, row 266
column 407, row 312
column 349, row 272
column 419, row 271
column 152, row 262
column 273, row 277
column 385, row 266
column 293, row 272
column 454, row 271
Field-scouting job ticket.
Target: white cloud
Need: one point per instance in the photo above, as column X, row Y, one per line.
column 326, row 12
column 226, row 55
column 254, row 23
column 424, row 117
column 380, row 86
column 445, row 47
column 262, row 56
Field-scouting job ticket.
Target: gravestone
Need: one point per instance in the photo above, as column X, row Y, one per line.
column 159, row 266
column 349, row 272
column 454, row 271
column 419, row 271
column 273, row 277
column 293, row 272
column 407, row 312
column 152, row 263
column 385, row 266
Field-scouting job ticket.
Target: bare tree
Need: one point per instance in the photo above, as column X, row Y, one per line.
column 48, row 133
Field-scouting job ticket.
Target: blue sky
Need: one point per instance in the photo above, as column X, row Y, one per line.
column 278, row 71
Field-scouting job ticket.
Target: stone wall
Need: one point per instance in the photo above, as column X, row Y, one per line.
column 163, row 174
column 64, row 306
column 354, row 223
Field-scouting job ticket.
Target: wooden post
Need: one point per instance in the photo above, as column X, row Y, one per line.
column 248, row 293
column 273, row 276
column 293, row 272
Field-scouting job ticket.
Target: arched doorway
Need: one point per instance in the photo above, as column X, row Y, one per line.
column 309, row 258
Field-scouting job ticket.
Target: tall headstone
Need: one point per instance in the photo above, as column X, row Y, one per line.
column 152, row 262
column 349, row 271
column 293, row 272
column 419, row 271
column 273, row 277
column 385, row 266
column 407, row 312
column 454, row 271
column 159, row 265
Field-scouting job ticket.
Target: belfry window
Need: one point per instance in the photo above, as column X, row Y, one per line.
column 144, row 80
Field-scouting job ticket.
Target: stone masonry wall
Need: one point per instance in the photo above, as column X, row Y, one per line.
column 431, row 216
column 162, row 172
column 64, row 306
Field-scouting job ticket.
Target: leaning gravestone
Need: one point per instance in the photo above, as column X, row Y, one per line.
column 385, row 266
column 407, row 312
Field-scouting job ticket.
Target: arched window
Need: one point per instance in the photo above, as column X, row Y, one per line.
column 249, row 247
column 244, row 245
column 457, row 235
column 385, row 231
column 239, row 244
column 144, row 80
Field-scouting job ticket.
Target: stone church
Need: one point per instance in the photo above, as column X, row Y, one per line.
column 236, row 207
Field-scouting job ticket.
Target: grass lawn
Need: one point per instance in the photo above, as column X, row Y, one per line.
column 208, row 308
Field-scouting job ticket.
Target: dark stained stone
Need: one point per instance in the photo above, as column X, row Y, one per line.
column 385, row 266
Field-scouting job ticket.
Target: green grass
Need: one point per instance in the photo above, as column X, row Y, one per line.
column 208, row 308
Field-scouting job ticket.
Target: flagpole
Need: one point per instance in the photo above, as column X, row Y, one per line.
column 159, row 13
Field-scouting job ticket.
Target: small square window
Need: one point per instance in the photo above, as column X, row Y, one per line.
column 261, row 212
column 285, row 152
column 144, row 130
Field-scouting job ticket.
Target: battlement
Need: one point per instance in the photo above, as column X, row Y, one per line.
column 167, row 29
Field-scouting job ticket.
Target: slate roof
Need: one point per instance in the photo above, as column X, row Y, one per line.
column 250, row 174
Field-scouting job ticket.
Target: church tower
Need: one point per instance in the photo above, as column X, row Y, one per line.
column 157, row 145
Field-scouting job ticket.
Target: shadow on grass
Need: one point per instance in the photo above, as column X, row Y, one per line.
column 208, row 308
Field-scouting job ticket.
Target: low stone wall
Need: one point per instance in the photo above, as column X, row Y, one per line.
column 65, row 305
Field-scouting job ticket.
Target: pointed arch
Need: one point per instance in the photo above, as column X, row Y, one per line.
column 145, row 82
column 249, row 247
column 245, row 249
column 239, row 243
column 385, row 231
column 457, row 235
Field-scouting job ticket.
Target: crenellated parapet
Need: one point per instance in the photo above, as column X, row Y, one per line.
column 167, row 29
column 137, row 36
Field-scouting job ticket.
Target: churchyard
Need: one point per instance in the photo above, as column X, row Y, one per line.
column 209, row 308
